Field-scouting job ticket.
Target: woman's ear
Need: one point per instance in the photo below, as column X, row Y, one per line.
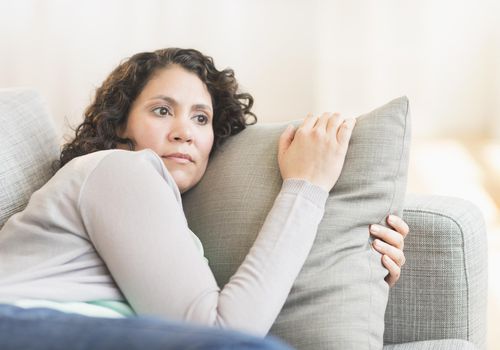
column 120, row 130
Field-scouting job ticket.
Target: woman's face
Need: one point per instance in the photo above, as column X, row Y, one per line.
column 173, row 117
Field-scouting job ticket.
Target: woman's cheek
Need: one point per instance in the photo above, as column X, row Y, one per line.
column 206, row 141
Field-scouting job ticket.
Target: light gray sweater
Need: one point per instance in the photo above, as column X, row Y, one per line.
column 110, row 226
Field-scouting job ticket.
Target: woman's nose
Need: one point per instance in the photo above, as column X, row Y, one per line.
column 180, row 131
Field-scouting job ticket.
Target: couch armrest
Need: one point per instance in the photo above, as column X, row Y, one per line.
column 442, row 292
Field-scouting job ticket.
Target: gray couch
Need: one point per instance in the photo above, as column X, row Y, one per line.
column 439, row 302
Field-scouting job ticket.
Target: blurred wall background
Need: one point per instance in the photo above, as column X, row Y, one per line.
column 293, row 56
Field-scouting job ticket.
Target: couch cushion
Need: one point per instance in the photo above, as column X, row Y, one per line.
column 28, row 145
column 339, row 298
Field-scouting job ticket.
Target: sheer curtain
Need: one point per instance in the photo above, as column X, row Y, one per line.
column 293, row 56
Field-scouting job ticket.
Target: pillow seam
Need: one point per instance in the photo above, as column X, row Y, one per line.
column 398, row 171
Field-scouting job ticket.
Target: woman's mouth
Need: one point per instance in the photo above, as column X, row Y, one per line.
column 181, row 158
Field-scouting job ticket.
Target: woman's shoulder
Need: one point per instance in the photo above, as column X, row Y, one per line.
column 119, row 161
column 130, row 159
column 75, row 172
column 124, row 165
column 87, row 163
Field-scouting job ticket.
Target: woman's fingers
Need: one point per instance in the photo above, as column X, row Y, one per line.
column 309, row 122
column 398, row 224
column 345, row 131
column 334, row 123
column 323, row 122
column 388, row 235
column 393, row 268
column 386, row 249
column 390, row 243
column 331, row 123
column 286, row 139
column 313, row 154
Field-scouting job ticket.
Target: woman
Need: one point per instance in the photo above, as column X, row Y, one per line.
column 106, row 236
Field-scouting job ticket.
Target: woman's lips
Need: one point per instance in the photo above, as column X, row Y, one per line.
column 180, row 158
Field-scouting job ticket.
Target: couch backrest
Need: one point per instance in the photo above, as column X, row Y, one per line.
column 28, row 146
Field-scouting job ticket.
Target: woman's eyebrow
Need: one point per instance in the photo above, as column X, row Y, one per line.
column 174, row 102
column 164, row 98
column 203, row 106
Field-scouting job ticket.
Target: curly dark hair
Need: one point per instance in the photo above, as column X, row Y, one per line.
column 110, row 108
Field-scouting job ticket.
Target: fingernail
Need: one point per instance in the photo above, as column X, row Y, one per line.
column 392, row 219
column 374, row 228
column 376, row 242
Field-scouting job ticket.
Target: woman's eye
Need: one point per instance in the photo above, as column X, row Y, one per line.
column 161, row 111
column 201, row 119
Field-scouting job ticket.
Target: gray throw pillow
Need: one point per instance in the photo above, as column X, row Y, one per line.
column 339, row 298
column 28, row 146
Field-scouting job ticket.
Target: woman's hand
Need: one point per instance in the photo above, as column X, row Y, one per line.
column 390, row 244
column 316, row 150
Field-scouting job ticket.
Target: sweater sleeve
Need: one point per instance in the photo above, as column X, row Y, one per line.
column 137, row 226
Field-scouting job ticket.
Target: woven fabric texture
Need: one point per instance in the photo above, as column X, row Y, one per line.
column 28, row 146
column 442, row 292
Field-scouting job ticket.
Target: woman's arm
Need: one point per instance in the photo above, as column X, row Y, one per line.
column 138, row 228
